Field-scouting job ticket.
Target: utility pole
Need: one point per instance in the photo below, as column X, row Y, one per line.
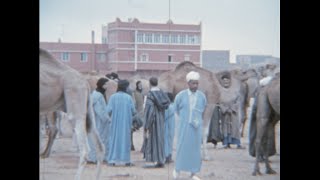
column 61, row 33
column 169, row 21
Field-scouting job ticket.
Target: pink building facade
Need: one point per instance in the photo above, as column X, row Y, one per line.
column 80, row 56
column 133, row 47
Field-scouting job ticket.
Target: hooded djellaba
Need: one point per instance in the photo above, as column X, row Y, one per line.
column 156, row 104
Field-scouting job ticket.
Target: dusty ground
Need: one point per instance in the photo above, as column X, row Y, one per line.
column 227, row 164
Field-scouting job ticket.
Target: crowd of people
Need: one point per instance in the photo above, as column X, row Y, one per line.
column 127, row 110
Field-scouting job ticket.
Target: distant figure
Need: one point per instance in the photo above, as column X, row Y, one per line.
column 156, row 104
column 189, row 105
column 138, row 101
column 169, row 127
column 139, row 97
column 113, row 76
column 122, row 109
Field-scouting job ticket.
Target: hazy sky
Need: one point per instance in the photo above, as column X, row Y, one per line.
column 241, row 26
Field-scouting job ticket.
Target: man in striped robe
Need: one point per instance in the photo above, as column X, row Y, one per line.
column 156, row 104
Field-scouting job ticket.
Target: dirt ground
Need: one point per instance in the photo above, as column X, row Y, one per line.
column 227, row 164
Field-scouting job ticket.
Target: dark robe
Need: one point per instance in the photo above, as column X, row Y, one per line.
column 153, row 145
column 215, row 131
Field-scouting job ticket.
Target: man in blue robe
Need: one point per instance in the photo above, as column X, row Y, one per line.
column 102, row 120
column 122, row 109
column 169, row 127
column 190, row 105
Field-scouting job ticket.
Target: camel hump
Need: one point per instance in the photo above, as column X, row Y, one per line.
column 184, row 63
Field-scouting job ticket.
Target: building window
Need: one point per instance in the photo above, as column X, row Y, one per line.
column 174, row 38
column 197, row 39
column 157, row 38
column 148, row 38
column 112, row 37
column 144, row 57
column 165, row 38
column 84, row 57
column 191, row 39
column 187, row 57
column 104, row 40
column 101, row 57
column 140, row 37
column 65, row 56
column 182, row 39
column 170, row 58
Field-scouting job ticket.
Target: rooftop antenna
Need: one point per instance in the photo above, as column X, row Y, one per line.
column 169, row 21
column 169, row 10
column 61, row 33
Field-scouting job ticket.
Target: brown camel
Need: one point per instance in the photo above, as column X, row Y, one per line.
column 267, row 114
column 65, row 89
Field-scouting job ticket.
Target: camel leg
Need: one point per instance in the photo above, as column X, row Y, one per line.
column 81, row 167
column 206, row 123
column 53, row 130
column 248, row 114
column 132, row 146
column 77, row 113
column 74, row 141
column 269, row 170
column 204, row 147
column 42, row 131
column 262, row 123
column 100, row 150
column 263, row 117
column 242, row 116
column 242, row 128
column 81, row 135
column 94, row 135
column 260, row 132
column 59, row 118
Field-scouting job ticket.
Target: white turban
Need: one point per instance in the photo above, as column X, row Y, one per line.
column 192, row 76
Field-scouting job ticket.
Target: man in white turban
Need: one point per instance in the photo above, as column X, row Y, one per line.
column 193, row 76
column 190, row 105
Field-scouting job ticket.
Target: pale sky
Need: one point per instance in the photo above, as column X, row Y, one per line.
column 240, row 26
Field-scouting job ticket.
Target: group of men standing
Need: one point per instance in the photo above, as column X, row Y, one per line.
column 114, row 121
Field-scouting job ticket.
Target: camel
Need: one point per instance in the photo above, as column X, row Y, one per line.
column 60, row 116
column 266, row 70
column 264, row 118
column 251, row 79
column 65, row 89
column 248, row 91
column 175, row 80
